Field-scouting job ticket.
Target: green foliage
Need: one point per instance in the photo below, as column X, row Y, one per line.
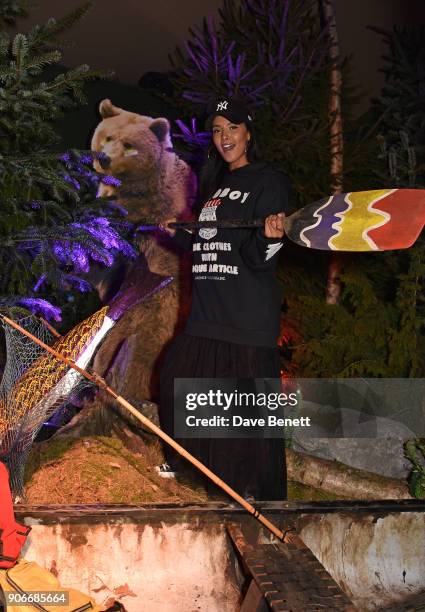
column 377, row 329
column 10, row 10
column 370, row 333
column 29, row 104
column 47, row 202
column 401, row 106
column 414, row 450
column 401, row 163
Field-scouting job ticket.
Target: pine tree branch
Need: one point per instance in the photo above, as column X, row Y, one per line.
column 47, row 34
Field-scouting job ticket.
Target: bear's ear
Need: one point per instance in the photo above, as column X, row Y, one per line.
column 107, row 109
column 161, row 129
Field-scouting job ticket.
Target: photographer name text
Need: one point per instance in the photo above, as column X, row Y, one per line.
column 239, row 421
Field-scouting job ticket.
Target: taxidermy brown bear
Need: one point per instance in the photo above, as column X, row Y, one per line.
column 155, row 184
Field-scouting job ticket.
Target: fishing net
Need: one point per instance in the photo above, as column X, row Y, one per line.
column 36, row 384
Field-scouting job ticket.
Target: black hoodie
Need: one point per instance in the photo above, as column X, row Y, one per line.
column 235, row 292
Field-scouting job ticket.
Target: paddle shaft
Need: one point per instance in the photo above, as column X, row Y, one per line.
column 283, row 536
column 220, row 224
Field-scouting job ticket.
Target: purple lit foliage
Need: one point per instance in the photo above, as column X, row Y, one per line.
column 72, row 254
column 100, row 242
column 262, row 50
column 79, row 169
column 94, row 236
column 72, row 181
column 191, row 136
column 214, row 64
column 272, row 53
column 43, row 192
column 41, row 307
column 101, row 230
column 62, row 244
column 39, row 282
column 110, row 180
column 114, row 206
column 70, row 281
column 65, row 157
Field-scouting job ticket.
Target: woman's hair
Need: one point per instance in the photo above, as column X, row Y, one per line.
column 215, row 167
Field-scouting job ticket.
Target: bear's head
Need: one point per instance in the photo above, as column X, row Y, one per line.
column 131, row 144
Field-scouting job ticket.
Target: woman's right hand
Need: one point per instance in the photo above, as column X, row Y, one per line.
column 163, row 226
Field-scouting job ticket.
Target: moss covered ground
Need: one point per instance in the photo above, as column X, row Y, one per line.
column 102, row 470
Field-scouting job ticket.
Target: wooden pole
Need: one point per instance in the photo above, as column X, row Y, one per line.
column 283, row 536
column 333, row 288
column 50, row 328
column 335, row 112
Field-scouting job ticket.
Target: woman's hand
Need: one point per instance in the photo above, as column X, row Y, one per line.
column 163, row 226
column 273, row 226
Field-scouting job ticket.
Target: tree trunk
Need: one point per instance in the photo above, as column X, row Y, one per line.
column 333, row 289
column 340, row 479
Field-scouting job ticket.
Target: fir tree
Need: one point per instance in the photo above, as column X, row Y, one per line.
column 10, row 10
column 377, row 330
column 401, row 107
column 272, row 54
column 402, row 164
column 52, row 227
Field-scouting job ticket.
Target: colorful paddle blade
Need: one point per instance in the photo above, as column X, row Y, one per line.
column 379, row 220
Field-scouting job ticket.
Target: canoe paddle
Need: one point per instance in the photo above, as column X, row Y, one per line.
column 376, row 220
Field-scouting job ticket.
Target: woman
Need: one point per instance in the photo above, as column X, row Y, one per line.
column 233, row 326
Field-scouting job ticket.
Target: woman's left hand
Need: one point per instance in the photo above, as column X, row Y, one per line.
column 273, row 226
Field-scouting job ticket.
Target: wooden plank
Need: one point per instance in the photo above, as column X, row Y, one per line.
column 288, row 576
column 254, row 600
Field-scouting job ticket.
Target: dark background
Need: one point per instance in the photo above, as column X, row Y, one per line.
column 133, row 37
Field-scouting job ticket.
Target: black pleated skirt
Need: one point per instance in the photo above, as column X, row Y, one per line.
column 253, row 467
